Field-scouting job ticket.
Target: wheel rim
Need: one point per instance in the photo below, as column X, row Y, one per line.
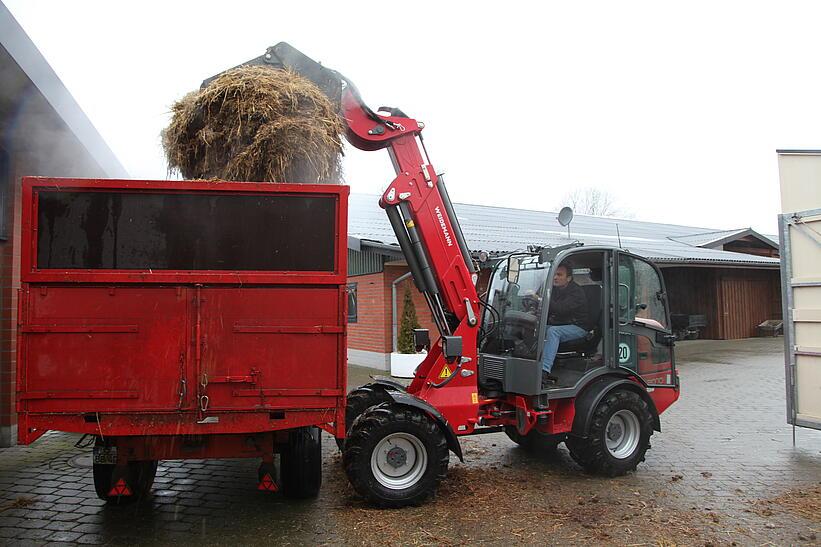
column 622, row 434
column 399, row 461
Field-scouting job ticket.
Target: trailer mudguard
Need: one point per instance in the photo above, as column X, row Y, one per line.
column 402, row 397
column 589, row 399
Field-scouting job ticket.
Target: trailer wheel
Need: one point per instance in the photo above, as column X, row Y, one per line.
column 619, row 435
column 395, row 456
column 302, row 463
column 358, row 401
column 534, row 441
column 139, row 476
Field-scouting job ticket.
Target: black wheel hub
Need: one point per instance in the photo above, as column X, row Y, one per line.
column 615, row 431
column 397, row 457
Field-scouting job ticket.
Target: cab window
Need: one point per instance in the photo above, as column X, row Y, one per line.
column 640, row 293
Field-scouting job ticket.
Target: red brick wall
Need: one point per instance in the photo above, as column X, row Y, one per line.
column 369, row 331
column 373, row 330
column 9, row 284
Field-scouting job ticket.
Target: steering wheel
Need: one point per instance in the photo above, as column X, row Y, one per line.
column 523, row 327
column 521, row 319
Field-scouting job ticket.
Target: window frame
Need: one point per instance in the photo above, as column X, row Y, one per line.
column 30, row 274
column 5, row 190
column 351, row 290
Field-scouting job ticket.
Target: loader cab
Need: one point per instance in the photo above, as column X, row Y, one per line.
column 626, row 330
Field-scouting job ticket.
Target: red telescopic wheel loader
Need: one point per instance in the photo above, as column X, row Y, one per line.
column 484, row 373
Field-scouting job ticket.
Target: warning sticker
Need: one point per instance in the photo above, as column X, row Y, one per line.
column 474, row 398
column 446, row 372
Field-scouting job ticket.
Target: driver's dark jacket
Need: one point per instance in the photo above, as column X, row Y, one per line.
column 568, row 306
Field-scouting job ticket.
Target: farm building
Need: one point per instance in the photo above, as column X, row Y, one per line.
column 43, row 131
column 730, row 277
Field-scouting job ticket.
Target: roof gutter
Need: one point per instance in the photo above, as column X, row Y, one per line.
column 715, row 264
column 357, row 244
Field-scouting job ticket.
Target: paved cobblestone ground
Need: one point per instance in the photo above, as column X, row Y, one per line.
column 724, row 452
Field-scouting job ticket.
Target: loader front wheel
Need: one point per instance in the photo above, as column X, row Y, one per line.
column 618, row 437
column 301, row 463
column 395, row 456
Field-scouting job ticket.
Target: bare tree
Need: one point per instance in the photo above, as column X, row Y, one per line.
column 592, row 201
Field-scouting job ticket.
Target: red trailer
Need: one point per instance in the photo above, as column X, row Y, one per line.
column 195, row 319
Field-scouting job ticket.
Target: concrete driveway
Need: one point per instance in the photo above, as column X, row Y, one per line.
column 723, row 471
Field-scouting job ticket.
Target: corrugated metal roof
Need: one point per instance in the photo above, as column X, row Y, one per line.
column 502, row 230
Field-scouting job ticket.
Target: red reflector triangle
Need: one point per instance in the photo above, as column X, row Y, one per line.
column 267, row 483
column 120, row 489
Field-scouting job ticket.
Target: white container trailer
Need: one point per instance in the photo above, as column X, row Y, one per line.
column 800, row 232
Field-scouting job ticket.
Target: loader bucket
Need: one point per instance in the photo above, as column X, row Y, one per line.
column 285, row 56
column 330, row 82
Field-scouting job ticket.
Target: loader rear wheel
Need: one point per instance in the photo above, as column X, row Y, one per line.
column 358, row 401
column 534, row 441
column 302, row 463
column 618, row 437
column 395, row 456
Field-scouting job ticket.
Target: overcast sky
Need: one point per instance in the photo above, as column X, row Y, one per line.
column 675, row 109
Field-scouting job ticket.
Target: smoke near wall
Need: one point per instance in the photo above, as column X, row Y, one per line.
column 36, row 139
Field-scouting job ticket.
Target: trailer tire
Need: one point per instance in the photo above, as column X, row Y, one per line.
column 358, row 401
column 301, row 463
column 139, row 476
column 618, row 437
column 407, row 474
column 534, row 441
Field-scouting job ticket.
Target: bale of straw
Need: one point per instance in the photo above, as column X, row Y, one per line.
column 258, row 124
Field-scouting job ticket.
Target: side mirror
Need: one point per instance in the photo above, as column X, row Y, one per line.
column 513, row 265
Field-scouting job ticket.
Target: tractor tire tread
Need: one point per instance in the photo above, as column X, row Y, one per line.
column 301, row 464
column 366, row 431
column 591, row 453
column 358, row 401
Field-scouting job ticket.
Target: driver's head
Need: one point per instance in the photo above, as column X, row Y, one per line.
column 563, row 276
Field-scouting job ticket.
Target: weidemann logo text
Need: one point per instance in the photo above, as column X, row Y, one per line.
column 444, row 227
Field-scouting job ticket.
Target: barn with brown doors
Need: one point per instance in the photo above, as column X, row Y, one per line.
column 734, row 300
column 727, row 279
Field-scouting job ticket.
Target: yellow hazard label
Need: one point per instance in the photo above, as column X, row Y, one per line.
column 474, row 398
column 409, row 223
column 445, row 372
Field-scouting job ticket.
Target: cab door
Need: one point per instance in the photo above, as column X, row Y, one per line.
column 645, row 341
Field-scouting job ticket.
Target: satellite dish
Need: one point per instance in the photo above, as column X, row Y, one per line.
column 565, row 216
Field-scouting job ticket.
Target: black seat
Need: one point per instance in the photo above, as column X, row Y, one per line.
column 590, row 343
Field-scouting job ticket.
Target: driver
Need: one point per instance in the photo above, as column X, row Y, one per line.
column 567, row 318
